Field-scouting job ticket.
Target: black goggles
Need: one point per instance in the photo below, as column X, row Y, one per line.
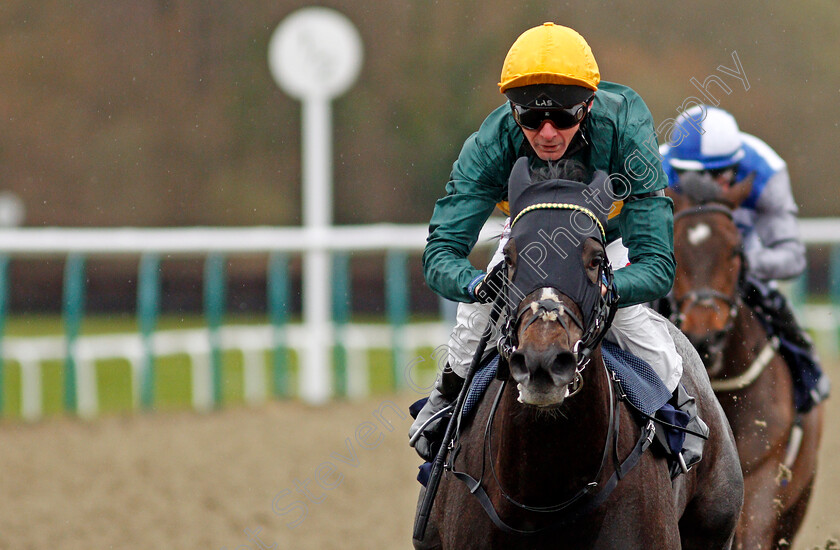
column 533, row 118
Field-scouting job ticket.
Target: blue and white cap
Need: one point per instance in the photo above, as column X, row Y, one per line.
column 709, row 139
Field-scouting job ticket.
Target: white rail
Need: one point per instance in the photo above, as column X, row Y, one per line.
column 253, row 341
column 28, row 241
column 30, row 352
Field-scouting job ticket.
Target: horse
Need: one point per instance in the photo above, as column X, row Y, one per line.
column 777, row 446
column 553, row 456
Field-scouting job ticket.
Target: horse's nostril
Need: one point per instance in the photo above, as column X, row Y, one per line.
column 562, row 368
column 551, row 366
column 518, row 366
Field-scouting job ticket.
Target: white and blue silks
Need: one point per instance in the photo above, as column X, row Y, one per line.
column 768, row 217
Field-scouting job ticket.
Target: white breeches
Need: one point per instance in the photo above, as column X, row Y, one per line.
column 636, row 329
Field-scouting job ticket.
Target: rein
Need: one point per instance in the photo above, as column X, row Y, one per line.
column 707, row 295
column 751, row 374
column 586, row 498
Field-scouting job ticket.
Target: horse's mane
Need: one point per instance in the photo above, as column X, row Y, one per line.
column 563, row 169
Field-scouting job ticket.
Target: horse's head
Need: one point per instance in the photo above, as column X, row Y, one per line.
column 710, row 262
column 555, row 261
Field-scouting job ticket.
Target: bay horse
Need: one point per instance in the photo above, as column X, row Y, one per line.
column 777, row 446
column 552, row 456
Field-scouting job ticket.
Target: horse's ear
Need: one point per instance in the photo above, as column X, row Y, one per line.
column 738, row 192
column 520, row 179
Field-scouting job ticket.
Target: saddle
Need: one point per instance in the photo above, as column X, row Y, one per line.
column 674, row 415
column 771, row 308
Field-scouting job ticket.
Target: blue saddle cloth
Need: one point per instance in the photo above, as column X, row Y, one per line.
column 642, row 386
column 481, row 381
column 644, row 389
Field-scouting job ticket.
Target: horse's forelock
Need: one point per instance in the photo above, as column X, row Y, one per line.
column 700, row 188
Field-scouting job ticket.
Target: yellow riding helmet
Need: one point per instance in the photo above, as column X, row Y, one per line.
column 550, row 54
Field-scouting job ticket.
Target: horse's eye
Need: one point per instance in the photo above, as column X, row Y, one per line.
column 596, row 261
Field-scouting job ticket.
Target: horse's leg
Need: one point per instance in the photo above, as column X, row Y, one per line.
column 760, row 516
column 804, row 468
column 715, row 492
column 714, row 489
column 710, row 518
column 792, row 519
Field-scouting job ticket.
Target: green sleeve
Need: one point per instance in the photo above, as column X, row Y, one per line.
column 647, row 229
column 478, row 181
column 646, row 223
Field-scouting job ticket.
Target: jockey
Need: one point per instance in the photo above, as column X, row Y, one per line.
column 709, row 143
column 557, row 108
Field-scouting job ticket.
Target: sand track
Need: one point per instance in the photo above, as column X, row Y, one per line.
column 236, row 479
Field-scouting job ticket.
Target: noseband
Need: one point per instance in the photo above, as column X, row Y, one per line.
column 706, row 297
column 552, row 310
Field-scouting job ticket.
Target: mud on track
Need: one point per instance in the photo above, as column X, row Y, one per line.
column 189, row 481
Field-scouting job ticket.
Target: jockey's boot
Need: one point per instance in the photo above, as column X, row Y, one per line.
column 430, row 421
column 697, row 432
column 811, row 385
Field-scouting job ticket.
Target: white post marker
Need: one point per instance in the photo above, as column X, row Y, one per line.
column 315, row 55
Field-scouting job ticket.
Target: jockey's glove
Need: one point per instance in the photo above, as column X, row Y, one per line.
column 486, row 288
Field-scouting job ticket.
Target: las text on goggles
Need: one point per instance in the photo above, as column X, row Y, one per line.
column 532, row 118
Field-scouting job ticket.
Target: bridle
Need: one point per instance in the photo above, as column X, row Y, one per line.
column 555, row 310
column 589, row 497
column 706, row 296
column 550, row 310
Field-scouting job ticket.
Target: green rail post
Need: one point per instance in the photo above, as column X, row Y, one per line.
column 73, row 308
column 148, row 300
column 277, row 283
column 214, row 308
column 341, row 300
column 799, row 294
column 4, row 311
column 834, row 279
column 397, row 298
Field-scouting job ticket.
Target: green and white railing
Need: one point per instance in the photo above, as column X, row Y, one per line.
column 349, row 342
